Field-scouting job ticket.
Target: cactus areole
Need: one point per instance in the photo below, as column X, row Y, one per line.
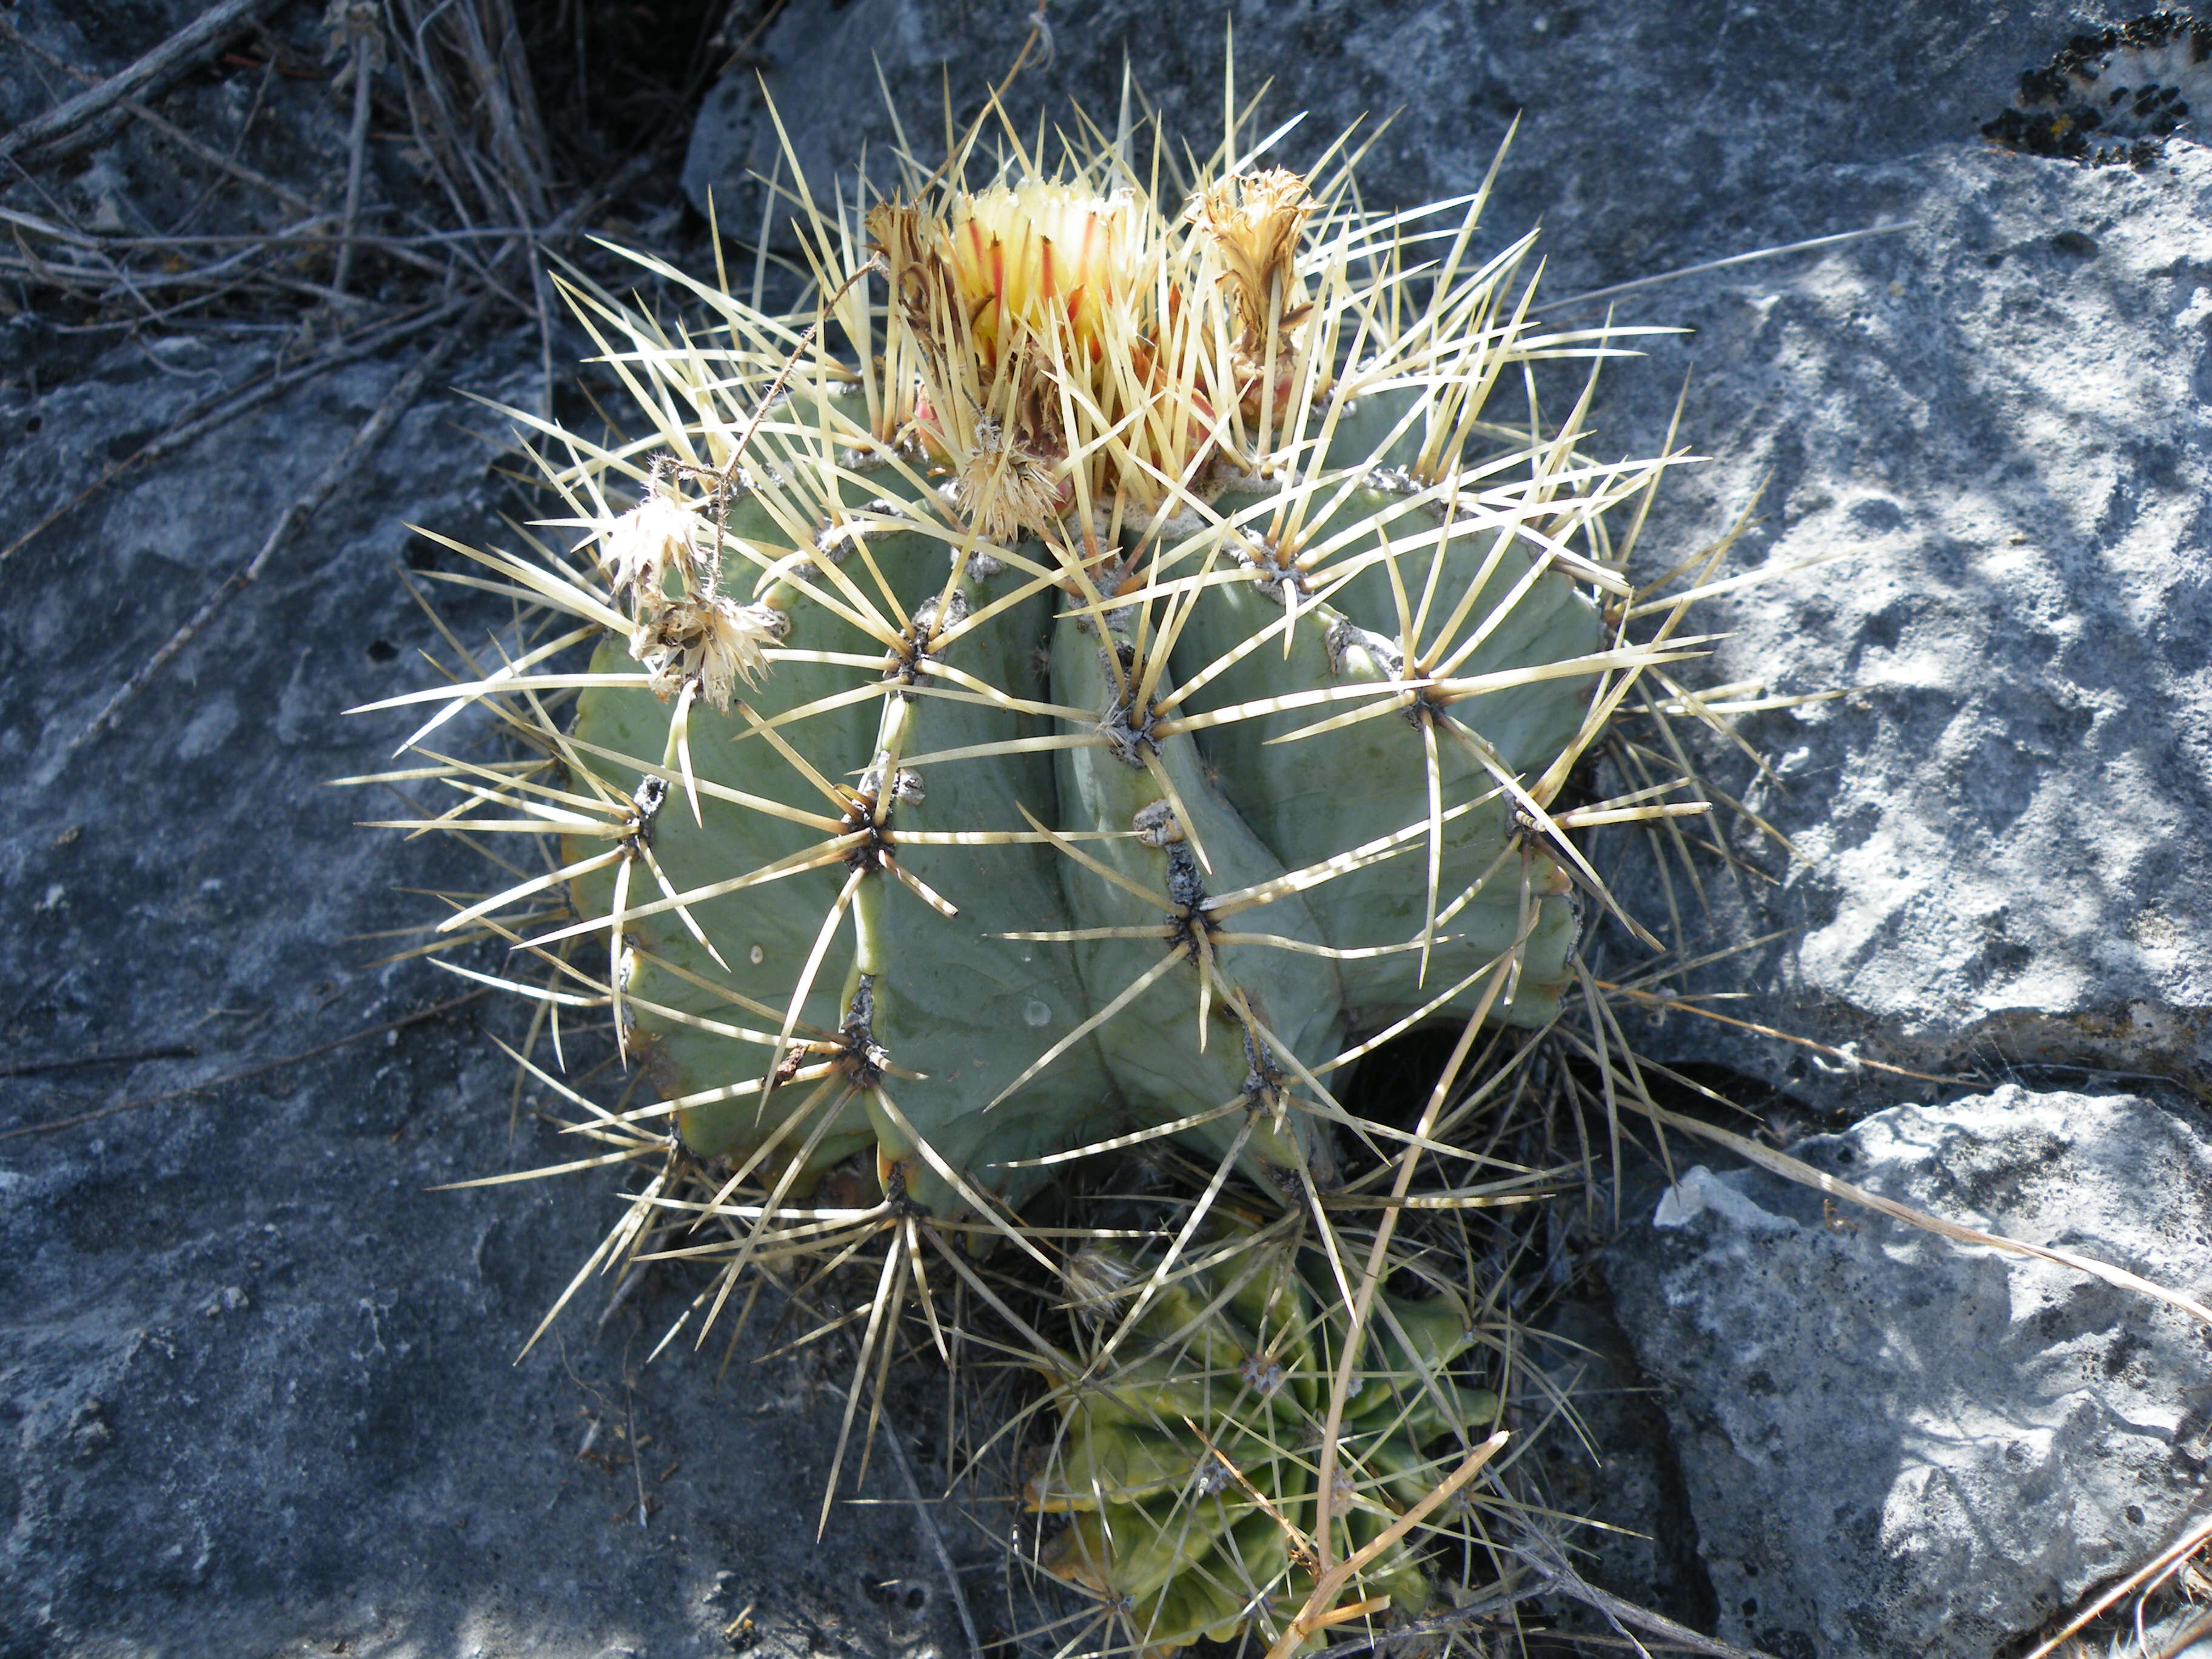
column 1095, row 677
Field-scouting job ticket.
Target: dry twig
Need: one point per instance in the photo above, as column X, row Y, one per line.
column 929, row 1530
column 175, row 54
column 365, row 54
column 294, row 518
column 220, row 408
column 436, row 1011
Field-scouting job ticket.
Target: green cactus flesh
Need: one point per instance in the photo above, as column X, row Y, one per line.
column 1187, row 1461
column 959, row 1011
column 1122, row 682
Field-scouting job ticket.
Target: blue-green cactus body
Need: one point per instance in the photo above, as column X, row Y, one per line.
column 1153, row 1047
column 940, row 1016
column 945, row 999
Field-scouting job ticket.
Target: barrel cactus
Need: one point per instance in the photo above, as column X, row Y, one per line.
column 1187, row 1466
column 1096, row 677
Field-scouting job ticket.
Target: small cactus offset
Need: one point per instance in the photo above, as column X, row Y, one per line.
column 1189, row 1465
column 1098, row 676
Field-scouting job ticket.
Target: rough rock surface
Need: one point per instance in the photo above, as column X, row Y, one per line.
column 258, row 1388
column 1893, row 1444
column 1997, row 426
column 257, row 1383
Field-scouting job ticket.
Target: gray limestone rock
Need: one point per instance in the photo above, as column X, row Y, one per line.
column 1995, row 429
column 1894, row 1444
column 257, row 1383
column 258, row 1389
column 1649, row 135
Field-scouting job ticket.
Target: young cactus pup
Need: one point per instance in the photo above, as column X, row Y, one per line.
column 1186, row 1464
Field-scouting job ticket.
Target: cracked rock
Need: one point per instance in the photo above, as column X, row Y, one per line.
column 1894, row 1444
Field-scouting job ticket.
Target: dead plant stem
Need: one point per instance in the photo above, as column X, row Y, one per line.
column 291, row 521
column 175, row 54
column 436, row 1011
